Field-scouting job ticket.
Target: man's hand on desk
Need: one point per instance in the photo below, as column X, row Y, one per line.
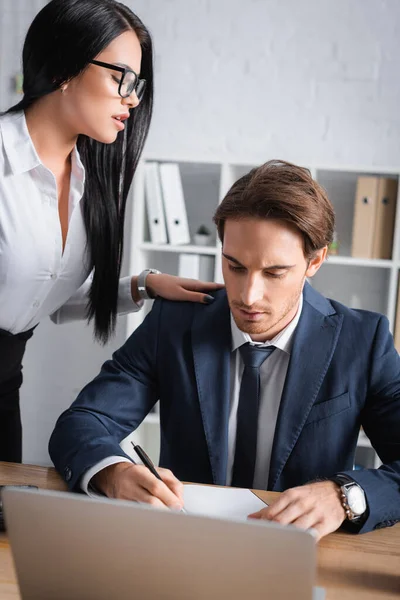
column 128, row 481
column 315, row 505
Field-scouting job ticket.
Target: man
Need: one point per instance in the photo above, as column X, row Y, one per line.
column 266, row 387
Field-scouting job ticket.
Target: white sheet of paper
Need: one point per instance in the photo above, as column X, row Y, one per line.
column 226, row 503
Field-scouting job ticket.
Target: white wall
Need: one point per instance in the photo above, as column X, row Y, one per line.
column 316, row 81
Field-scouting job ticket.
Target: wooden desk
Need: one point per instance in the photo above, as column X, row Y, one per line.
column 350, row 567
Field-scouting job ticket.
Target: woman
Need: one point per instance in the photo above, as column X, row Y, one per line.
column 68, row 153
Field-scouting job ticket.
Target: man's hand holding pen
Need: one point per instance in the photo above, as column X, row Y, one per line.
column 128, row 481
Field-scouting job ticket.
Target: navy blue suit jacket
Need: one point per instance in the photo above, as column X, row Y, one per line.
column 343, row 372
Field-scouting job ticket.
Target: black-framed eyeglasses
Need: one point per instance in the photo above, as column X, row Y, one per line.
column 129, row 81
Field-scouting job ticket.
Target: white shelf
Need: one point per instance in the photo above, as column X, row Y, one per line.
column 255, row 161
column 359, row 262
column 214, row 251
column 189, row 249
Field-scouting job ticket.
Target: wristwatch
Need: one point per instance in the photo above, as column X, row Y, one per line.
column 141, row 283
column 352, row 497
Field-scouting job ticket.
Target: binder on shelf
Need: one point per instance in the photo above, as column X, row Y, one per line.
column 365, row 208
column 154, row 203
column 174, row 204
column 385, row 216
column 196, row 266
column 374, row 216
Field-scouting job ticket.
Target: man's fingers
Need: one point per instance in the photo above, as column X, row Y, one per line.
column 256, row 515
column 276, row 507
column 136, row 482
column 159, row 489
column 314, row 507
column 172, row 482
column 306, row 521
column 290, row 514
column 142, row 495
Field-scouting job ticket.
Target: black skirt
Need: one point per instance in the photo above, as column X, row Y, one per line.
column 12, row 349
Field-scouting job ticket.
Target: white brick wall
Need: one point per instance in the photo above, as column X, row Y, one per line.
column 15, row 18
column 316, row 81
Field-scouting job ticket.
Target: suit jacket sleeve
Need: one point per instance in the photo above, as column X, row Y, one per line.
column 110, row 407
column 381, row 421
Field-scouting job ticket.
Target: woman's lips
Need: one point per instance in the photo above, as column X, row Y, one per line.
column 119, row 124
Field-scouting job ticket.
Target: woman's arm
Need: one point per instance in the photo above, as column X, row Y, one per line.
column 176, row 288
column 166, row 286
column 75, row 307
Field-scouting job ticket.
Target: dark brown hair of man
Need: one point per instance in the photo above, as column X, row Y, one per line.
column 285, row 192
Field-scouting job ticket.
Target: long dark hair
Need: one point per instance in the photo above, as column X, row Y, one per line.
column 62, row 39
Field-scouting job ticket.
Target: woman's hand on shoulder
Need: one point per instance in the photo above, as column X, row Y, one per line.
column 179, row 288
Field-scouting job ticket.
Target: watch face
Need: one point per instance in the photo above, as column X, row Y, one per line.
column 356, row 500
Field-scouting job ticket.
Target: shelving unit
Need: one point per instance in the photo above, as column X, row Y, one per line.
column 188, row 249
column 370, row 284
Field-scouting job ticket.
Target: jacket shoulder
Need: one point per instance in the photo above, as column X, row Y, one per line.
column 358, row 316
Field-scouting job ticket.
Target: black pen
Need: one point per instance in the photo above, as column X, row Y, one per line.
column 146, row 460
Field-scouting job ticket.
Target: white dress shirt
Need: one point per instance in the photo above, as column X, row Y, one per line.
column 37, row 278
column 272, row 379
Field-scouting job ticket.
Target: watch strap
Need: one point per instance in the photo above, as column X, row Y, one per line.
column 341, row 479
column 141, row 284
column 345, row 482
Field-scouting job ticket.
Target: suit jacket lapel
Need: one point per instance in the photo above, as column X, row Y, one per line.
column 314, row 342
column 212, row 369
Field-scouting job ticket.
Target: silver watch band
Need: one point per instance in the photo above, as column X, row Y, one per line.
column 141, row 283
column 346, row 485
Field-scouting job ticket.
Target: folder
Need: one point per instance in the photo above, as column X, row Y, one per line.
column 196, row 266
column 365, row 209
column 385, row 216
column 154, row 204
column 174, row 204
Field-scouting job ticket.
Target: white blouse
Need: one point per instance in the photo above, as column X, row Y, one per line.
column 37, row 278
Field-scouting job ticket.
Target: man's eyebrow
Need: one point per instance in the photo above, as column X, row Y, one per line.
column 268, row 268
column 232, row 259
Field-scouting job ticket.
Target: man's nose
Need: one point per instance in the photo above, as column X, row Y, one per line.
column 253, row 290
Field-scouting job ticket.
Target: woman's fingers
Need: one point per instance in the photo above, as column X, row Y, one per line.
column 179, row 288
column 196, row 297
column 209, row 286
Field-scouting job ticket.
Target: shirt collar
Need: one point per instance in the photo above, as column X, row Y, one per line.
column 78, row 170
column 283, row 340
column 18, row 146
column 21, row 152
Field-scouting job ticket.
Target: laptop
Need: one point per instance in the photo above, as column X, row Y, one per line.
column 70, row 547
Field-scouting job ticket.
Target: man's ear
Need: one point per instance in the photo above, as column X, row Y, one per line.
column 316, row 261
